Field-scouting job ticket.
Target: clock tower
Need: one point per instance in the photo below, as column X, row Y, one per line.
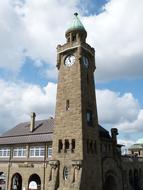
column 75, row 163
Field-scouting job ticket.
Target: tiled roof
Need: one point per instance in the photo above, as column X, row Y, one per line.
column 43, row 132
column 26, row 139
column 41, row 127
column 21, row 133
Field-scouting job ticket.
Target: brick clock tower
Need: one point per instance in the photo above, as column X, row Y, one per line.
column 75, row 163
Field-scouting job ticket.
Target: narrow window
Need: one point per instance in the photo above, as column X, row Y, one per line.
column 67, row 145
column 67, row 105
column 73, row 145
column 73, row 37
column 87, row 145
column 91, row 147
column 87, row 79
column 60, row 145
column 68, row 39
column 89, row 117
column 95, row 147
column 49, row 152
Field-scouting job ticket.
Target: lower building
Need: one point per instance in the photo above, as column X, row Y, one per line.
column 26, row 152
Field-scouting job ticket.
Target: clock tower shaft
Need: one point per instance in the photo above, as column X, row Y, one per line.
column 76, row 146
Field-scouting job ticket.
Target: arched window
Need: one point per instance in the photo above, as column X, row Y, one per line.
column 16, row 183
column 65, row 173
column 3, row 180
column 34, row 182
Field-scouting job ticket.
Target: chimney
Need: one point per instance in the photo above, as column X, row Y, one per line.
column 32, row 124
column 114, row 133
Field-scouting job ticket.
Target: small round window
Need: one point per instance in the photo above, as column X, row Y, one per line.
column 65, row 173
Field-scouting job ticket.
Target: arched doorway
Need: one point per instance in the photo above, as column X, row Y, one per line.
column 16, row 182
column 2, row 181
column 110, row 183
column 34, row 182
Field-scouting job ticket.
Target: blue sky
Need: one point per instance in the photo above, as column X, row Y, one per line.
column 30, row 31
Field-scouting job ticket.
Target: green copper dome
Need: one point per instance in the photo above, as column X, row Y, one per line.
column 76, row 24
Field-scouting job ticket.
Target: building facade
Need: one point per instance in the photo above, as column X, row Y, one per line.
column 71, row 151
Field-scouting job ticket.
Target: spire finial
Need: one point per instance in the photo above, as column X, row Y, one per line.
column 76, row 14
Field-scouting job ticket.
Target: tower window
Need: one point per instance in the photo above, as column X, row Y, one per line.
column 95, row 147
column 73, row 37
column 73, row 145
column 68, row 39
column 67, row 105
column 65, row 173
column 67, row 145
column 91, row 147
column 87, row 144
column 89, row 117
column 87, row 79
column 60, row 145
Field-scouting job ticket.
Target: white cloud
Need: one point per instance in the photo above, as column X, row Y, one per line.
column 34, row 28
column 18, row 100
column 119, row 111
column 115, row 108
column 11, row 55
column 117, row 37
column 136, row 125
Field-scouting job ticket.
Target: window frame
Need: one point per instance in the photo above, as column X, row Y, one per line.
column 4, row 152
column 37, row 150
column 49, row 152
column 19, row 152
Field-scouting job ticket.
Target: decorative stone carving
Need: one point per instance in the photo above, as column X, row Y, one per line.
column 54, row 169
column 77, row 164
column 54, row 163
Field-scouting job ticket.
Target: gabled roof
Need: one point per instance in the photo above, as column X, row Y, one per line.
column 41, row 127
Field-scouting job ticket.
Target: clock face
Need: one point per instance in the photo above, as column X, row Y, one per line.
column 70, row 60
column 85, row 61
